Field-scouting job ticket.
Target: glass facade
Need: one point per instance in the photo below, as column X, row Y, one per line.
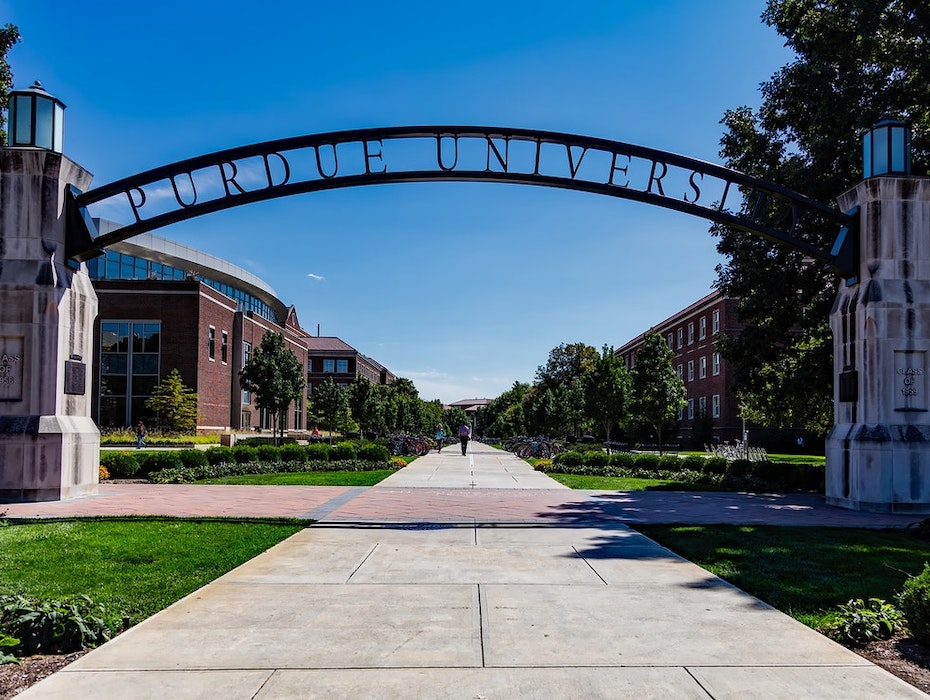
column 130, row 354
column 120, row 266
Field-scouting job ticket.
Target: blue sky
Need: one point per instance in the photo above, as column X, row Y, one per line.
column 462, row 287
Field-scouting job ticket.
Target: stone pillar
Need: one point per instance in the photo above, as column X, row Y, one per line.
column 49, row 446
column 878, row 453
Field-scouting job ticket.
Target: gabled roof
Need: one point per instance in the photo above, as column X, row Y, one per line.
column 326, row 344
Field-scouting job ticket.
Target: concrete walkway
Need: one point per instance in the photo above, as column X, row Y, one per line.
column 407, row 590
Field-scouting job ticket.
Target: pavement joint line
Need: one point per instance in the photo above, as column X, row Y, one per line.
column 332, row 504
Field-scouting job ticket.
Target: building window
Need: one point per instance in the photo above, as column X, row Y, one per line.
column 702, row 328
column 329, row 366
column 298, row 414
column 130, row 358
column 691, row 333
column 681, row 413
column 342, row 366
column 224, row 346
column 702, row 367
column 681, row 371
column 671, row 341
column 715, row 405
column 211, row 343
column 246, row 395
column 681, row 334
column 715, row 323
column 690, row 409
column 690, row 370
column 715, row 364
column 702, row 406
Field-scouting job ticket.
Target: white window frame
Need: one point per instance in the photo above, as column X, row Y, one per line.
column 715, row 406
column 702, row 367
column 702, row 328
column 715, row 364
column 681, row 336
column 690, row 409
column 690, row 370
column 702, row 405
column 715, row 322
column 691, row 333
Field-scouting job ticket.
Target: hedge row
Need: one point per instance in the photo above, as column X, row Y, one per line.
column 714, row 471
column 127, row 464
column 188, row 475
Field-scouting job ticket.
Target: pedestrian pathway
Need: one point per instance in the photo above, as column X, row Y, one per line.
column 454, row 590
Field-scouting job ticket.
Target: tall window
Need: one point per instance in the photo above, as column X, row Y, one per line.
column 715, row 406
column 211, row 343
column 224, row 346
column 690, row 333
column 681, row 334
column 130, row 353
column 715, row 322
column 690, row 409
column 299, row 414
column 342, row 366
column 681, row 373
column 690, row 370
column 702, row 328
column 671, row 341
column 329, row 366
column 702, row 367
column 246, row 356
column 702, row 405
column 715, row 363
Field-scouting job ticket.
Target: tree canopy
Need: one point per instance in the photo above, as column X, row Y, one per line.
column 856, row 62
column 9, row 36
column 275, row 375
column 657, row 392
column 174, row 404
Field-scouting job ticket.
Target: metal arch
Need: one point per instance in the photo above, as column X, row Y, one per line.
column 366, row 160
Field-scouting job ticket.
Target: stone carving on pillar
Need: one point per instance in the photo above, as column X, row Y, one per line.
column 49, row 446
column 878, row 453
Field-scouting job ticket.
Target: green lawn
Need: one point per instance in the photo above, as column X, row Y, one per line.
column 134, row 567
column 805, row 572
column 306, row 478
column 619, row 483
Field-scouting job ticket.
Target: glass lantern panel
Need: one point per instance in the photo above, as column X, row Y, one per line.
column 44, row 119
column 59, row 129
column 22, row 120
column 879, row 151
column 898, row 150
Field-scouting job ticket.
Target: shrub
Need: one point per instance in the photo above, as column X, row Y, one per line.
column 318, row 451
column 867, row 621
column 268, row 453
column 373, row 452
column 622, row 460
column 915, row 602
column 54, row 626
column 102, row 473
column 121, row 465
column 648, row 462
column 543, row 465
column 740, row 468
column 243, row 454
column 156, row 461
column 344, row 450
column 293, row 453
column 692, row 463
column 670, row 463
column 398, row 462
column 193, row 458
column 571, row 458
column 595, row 459
column 219, row 455
column 714, row 465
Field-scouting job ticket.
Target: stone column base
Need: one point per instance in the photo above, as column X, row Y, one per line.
column 48, row 458
column 879, row 468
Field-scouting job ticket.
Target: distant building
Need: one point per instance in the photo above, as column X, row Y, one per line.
column 332, row 358
column 164, row 306
column 690, row 335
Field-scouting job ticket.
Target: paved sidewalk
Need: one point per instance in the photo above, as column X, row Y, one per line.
column 427, row 586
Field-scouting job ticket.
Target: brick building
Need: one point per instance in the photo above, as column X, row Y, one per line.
column 332, row 358
column 165, row 306
column 690, row 335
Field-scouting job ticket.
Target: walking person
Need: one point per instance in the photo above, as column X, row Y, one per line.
column 140, row 436
column 440, row 434
column 464, row 434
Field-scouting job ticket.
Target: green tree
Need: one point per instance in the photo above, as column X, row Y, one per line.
column 9, row 36
column 276, row 377
column 855, row 62
column 504, row 416
column 364, row 403
column 331, row 403
column 174, row 404
column 656, row 390
column 607, row 391
column 566, row 364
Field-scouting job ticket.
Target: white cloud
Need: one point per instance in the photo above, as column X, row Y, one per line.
column 319, row 278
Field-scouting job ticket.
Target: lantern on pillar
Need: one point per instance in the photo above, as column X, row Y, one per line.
column 886, row 149
column 36, row 119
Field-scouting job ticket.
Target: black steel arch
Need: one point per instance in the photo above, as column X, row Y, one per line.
column 296, row 165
